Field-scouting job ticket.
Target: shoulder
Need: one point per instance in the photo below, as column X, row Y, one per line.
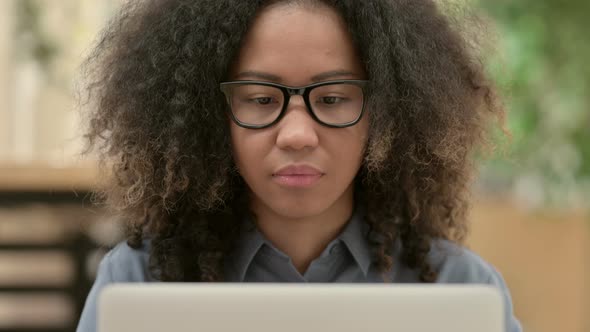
column 120, row 264
column 126, row 264
column 457, row 264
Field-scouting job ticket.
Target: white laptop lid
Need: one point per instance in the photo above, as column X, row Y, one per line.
column 299, row 307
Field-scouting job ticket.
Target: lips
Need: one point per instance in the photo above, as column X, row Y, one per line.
column 298, row 176
column 297, row 170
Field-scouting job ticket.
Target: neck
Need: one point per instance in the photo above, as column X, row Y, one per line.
column 304, row 238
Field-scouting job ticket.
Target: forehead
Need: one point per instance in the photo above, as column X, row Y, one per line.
column 296, row 42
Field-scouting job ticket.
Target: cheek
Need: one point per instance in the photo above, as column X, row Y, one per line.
column 361, row 134
column 239, row 149
column 363, row 128
column 357, row 146
column 249, row 148
column 347, row 152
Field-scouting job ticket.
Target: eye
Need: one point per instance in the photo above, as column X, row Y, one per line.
column 330, row 100
column 263, row 100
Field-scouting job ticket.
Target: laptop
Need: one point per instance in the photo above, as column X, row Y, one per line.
column 225, row 307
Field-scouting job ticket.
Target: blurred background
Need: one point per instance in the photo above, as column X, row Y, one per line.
column 531, row 213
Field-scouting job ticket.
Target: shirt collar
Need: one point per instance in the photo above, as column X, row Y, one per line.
column 249, row 243
column 354, row 237
column 251, row 240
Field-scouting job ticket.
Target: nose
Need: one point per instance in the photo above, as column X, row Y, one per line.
column 297, row 129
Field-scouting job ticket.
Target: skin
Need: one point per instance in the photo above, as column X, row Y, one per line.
column 285, row 46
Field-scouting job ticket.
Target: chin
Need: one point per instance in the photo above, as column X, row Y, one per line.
column 299, row 210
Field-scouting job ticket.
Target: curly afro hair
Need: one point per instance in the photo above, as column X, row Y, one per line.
column 158, row 120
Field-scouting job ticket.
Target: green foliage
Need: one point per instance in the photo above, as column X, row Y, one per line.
column 32, row 41
column 544, row 50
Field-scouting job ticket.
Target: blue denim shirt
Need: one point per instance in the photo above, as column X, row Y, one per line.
column 345, row 259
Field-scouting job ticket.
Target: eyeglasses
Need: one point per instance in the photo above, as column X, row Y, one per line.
column 257, row 105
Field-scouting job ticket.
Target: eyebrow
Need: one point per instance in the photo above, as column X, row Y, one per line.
column 274, row 78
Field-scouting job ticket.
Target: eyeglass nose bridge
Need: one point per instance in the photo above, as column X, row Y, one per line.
column 296, row 92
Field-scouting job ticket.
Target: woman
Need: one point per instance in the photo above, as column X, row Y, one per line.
column 289, row 141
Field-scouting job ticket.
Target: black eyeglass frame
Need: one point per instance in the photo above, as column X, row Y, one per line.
column 289, row 91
